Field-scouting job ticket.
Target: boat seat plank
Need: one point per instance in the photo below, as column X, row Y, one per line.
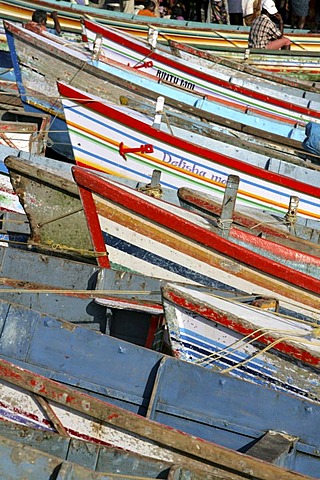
column 273, row 447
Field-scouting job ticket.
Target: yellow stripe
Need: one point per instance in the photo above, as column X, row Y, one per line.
column 243, row 193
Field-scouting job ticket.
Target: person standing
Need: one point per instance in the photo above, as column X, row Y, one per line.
column 127, row 6
column 300, row 10
column 250, row 10
column 235, row 12
column 264, row 33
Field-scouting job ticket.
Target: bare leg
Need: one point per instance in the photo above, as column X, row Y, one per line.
column 301, row 22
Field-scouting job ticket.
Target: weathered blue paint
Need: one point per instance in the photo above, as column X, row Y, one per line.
column 44, row 272
column 217, row 407
column 59, row 135
column 96, row 457
column 22, row 461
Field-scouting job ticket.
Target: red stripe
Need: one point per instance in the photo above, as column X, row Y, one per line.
column 234, row 323
column 144, row 51
column 140, row 206
column 94, row 227
column 137, row 125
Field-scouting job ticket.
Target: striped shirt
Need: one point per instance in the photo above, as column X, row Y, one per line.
column 262, row 32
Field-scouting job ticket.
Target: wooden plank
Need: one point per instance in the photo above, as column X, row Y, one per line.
column 273, row 447
column 189, row 446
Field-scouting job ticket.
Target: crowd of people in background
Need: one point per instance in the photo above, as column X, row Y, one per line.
column 236, row 12
column 266, row 18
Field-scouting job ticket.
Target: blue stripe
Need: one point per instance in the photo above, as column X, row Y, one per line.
column 251, row 371
column 166, row 264
column 211, row 170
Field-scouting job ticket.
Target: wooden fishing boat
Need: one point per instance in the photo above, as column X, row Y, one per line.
column 36, row 183
column 241, row 72
column 149, row 236
column 123, row 130
column 50, row 198
column 294, row 65
column 72, row 297
column 160, row 376
column 120, row 83
column 19, row 131
column 48, row 452
column 198, row 34
column 165, row 67
column 76, row 74
column 114, row 302
column 249, row 219
column 85, row 292
column 231, row 336
column 83, row 416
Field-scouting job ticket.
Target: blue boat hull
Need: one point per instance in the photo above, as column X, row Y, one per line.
column 216, row 407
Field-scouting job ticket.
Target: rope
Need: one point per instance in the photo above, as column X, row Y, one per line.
column 144, row 58
column 260, row 352
column 225, row 224
column 89, row 293
column 57, row 247
column 59, row 218
column 231, row 348
column 220, row 354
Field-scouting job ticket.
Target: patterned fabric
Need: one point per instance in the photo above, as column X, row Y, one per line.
column 35, row 27
column 219, row 12
column 262, row 32
column 300, row 8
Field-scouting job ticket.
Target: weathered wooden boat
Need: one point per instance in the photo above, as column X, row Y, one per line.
column 262, row 224
column 79, row 69
column 79, row 297
column 50, row 198
column 165, row 67
column 42, row 453
column 84, row 293
column 294, row 65
column 120, row 83
column 83, row 416
column 36, row 183
column 240, row 72
column 290, row 65
column 157, row 374
column 195, row 33
column 149, row 236
column 19, row 131
column 122, row 130
column 231, row 336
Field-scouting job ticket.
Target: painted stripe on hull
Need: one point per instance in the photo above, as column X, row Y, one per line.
column 145, row 235
column 124, row 49
column 99, row 138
